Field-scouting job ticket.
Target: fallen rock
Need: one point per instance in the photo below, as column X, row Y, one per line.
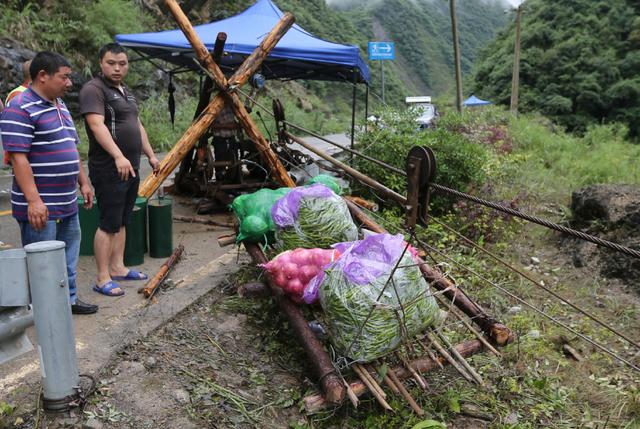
column 610, row 212
column 610, row 204
column 92, row 424
column 181, row 396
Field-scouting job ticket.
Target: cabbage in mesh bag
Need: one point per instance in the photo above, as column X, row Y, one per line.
column 311, row 217
column 352, row 286
column 254, row 213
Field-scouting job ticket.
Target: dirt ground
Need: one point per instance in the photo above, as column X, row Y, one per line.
column 230, row 362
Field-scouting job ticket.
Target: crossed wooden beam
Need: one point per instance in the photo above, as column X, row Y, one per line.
column 226, row 94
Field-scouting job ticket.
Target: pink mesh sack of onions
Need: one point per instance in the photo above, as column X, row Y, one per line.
column 292, row 270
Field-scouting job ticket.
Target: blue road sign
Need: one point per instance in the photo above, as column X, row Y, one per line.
column 381, row 51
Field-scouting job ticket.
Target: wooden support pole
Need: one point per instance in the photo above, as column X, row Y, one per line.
column 202, row 124
column 315, row 403
column 330, row 382
column 499, row 333
column 238, row 79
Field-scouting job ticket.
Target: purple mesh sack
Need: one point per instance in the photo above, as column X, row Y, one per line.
column 312, row 217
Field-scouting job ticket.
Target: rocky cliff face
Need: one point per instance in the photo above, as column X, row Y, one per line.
column 611, row 212
column 12, row 55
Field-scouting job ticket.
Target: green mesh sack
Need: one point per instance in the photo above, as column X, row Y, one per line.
column 327, row 181
column 367, row 320
column 254, row 214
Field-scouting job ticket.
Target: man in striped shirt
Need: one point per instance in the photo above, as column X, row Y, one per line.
column 38, row 132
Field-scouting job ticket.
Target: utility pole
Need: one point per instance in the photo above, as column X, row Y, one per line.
column 515, row 80
column 456, row 53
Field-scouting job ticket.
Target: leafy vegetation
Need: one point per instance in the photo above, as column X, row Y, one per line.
column 579, row 63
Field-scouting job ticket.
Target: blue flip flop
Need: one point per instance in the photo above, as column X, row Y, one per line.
column 131, row 275
column 107, row 289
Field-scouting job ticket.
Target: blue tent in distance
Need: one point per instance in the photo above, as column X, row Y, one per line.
column 298, row 55
column 475, row 101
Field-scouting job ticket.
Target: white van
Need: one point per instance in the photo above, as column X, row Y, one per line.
column 427, row 111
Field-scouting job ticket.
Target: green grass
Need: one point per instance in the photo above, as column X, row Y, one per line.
column 552, row 164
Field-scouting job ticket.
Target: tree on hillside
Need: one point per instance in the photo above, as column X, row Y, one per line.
column 579, row 62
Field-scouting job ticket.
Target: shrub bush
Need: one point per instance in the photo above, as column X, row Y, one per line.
column 460, row 161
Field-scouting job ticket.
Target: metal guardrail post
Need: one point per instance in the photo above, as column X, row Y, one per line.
column 15, row 317
column 54, row 324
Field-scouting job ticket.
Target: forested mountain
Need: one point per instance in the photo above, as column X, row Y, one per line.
column 580, row 62
column 420, row 28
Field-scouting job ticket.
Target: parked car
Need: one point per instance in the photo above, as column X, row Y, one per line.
column 426, row 110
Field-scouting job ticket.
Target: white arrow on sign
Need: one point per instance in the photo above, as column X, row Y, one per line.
column 385, row 47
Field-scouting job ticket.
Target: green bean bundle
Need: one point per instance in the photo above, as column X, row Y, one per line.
column 321, row 222
column 363, row 327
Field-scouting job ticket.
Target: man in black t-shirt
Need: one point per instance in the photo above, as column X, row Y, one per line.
column 116, row 140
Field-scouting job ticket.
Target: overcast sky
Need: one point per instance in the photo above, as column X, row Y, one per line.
column 338, row 2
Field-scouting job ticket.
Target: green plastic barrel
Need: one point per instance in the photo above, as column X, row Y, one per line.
column 134, row 243
column 160, row 228
column 89, row 221
column 142, row 203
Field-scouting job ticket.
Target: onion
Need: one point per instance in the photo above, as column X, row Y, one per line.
column 308, row 272
column 295, row 287
column 281, row 280
column 290, row 270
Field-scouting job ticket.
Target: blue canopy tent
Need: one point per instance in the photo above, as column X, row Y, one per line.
column 474, row 101
column 298, row 55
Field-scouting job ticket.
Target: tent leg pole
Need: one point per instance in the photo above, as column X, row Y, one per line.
column 353, row 111
column 366, row 108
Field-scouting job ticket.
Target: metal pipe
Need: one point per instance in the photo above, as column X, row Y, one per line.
column 54, row 325
column 14, row 281
column 389, row 193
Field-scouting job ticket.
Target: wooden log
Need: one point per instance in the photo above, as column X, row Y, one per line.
column 153, row 283
column 202, row 53
column 369, row 205
column 496, row 331
column 315, row 403
column 254, row 290
column 330, row 382
column 195, row 219
column 271, row 159
column 200, row 126
column 226, row 240
column 182, row 147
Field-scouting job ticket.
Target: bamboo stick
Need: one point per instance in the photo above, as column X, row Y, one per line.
column 427, row 349
column 371, row 386
column 405, row 393
column 417, row 377
column 372, row 380
column 316, row 402
column 462, row 360
column 448, row 357
column 475, row 332
column 153, row 283
column 390, row 383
